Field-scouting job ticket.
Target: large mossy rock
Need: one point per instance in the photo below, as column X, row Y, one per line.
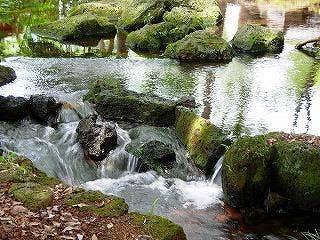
column 158, row 227
column 97, row 203
column 258, row 167
column 7, row 75
column 34, row 196
column 137, row 13
column 97, row 138
column 246, row 172
column 256, row 39
column 297, row 173
column 104, row 9
column 204, row 141
column 114, row 102
column 200, row 46
column 78, row 27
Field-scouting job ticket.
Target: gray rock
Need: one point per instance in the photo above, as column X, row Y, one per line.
column 7, row 75
column 96, row 138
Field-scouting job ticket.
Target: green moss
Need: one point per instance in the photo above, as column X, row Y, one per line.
column 246, row 171
column 257, row 39
column 203, row 140
column 103, row 9
column 34, row 196
column 19, row 169
column 76, row 28
column 97, row 202
column 196, row 20
column 158, row 227
column 297, row 173
column 200, row 46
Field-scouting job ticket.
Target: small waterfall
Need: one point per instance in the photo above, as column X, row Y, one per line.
column 216, row 176
column 119, row 161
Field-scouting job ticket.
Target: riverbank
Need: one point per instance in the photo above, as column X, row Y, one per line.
column 35, row 206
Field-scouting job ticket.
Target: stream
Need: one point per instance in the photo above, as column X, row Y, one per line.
column 247, row 96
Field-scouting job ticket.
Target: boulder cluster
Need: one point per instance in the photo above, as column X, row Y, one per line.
column 185, row 30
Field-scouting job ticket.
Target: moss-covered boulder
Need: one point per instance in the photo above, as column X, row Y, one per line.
column 97, row 203
column 204, row 141
column 113, row 101
column 77, row 27
column 34, row 196
column 200, row 46
column 179, row 22
column 137, row 13
column 246, row 172
column 256, row 39
column 154, row 38
column 104, row 9
column 158, row 227
column 7, row 75
column 296, row 171
column 277, row 164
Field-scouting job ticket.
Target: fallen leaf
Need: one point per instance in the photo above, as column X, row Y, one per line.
column 94, row 237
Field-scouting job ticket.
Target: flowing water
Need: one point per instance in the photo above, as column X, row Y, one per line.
column 246, row 96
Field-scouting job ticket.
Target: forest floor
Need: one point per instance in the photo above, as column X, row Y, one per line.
column 60, row 221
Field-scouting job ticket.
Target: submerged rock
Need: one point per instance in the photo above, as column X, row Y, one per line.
column 77, row 27
column 200, row 46
column 7, row 75
column 160, row 150
column 204, row 141
column 256, row 39
column 13, row 108
column 96, row 138
column 98, row 203
column 258, row 168
column 154, row 155
column 44, row 109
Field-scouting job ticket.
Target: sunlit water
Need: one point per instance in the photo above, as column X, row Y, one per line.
column 247, row 96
